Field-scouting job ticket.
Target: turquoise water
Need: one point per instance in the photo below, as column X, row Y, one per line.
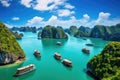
column 47, row 68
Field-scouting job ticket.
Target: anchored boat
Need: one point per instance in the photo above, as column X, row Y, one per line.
column 67, row 62
column 57, row 56
column 59, row 43
column 24, row 70
column 85, row 50
column 37, row 53
column 90, row 44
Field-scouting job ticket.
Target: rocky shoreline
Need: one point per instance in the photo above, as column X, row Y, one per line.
column 10, row 50
column 106, row 65
column 19, row 61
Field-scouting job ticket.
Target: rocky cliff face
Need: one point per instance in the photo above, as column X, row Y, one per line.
column 85, row 31
column 25, row 29
column 53, row 32
column 17, row 35
column 115, row 37
column 105, row 66
column 73, row 30
column 98, row 31
column 10, row 51
column 79, row 32
column 106, row 32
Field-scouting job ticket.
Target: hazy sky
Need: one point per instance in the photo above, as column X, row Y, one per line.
column 59, row 12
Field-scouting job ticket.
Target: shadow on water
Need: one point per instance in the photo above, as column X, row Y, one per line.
column 98, row 41
column 52, row 42
column 58, row 61
column 86, row 54
column 9, row 71
column 68, row 68
column 38, row 58
column 25, row 76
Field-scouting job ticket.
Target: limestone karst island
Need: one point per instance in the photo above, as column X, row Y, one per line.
column 59, row 40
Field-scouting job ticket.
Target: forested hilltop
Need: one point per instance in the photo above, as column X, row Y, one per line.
column 10, row 50
column 106, row 32
column 53, row 32
column 111, row 33
column 106, row 66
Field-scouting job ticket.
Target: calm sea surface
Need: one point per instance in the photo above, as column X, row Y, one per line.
column 47, row 68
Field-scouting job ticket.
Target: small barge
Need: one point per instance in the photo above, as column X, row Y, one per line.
column 67, row 62
column 24, row 70
column 59, row 43
column 57, row 56
column 90, row 44
column 85, row 50
column 37, row 53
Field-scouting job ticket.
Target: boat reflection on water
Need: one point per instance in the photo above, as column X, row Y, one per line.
column 52, row 42
column 24, row 70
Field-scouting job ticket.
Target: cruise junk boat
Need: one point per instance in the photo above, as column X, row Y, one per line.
column 37, row 53
column 57, row 56
column 24, row 70
column 85, row 50
column 67, row 62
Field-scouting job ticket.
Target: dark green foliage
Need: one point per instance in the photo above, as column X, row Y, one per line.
column 107, row 64
column 99, row 31
column 25, row 29
column 73, row 30
column 8, row 44
column 84, row 31
column 79, row 32
column 106, row 32
column 17, row 35
column 53, row 32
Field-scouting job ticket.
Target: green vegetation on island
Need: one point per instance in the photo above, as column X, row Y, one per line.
column 25, row 29
column 111, row 33
column 17, row 35
column 10, row 50
column 106, row 66
column 79, row 32
column 53, row 32
column 106, row 32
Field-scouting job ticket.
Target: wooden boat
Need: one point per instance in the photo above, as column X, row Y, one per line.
column 37, row 53
column 67, row 62
column 24, row 70
column 86, row 50
column 59, row 43
column 90, row 44
column 57, row 56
